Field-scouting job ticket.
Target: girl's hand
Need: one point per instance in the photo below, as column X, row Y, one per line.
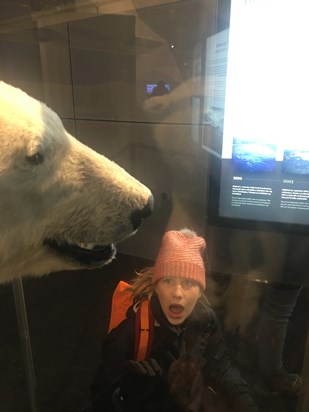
column 148, row 367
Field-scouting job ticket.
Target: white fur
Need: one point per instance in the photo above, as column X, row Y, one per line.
column 75, row 195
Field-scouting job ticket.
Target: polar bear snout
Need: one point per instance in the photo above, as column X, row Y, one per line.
column 63, row 205
column 138, row 216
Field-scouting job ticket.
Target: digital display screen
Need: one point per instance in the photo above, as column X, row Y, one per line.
column 256, row 92
column 151, row 86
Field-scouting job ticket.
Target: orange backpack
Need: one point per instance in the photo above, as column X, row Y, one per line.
column 144, row 323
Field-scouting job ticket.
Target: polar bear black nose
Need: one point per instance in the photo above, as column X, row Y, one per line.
column 138, row 216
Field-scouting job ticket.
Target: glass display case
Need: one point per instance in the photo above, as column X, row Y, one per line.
column 202, row 101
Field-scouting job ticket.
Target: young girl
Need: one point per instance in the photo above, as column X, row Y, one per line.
column 188, row 367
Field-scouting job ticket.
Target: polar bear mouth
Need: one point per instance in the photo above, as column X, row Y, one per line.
column 88, row 254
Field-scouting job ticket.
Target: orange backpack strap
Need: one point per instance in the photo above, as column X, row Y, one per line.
column 121, row 301
column 144, row 324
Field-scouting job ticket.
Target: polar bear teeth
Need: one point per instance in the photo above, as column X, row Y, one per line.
column 86, row 254
column 88, row 246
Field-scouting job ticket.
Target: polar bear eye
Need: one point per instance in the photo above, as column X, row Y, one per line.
column 35, row 159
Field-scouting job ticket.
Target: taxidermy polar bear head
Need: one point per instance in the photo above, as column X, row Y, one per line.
column 62, row 205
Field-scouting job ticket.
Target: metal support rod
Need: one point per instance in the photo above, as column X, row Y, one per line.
column 303, row 398
column 24, row 335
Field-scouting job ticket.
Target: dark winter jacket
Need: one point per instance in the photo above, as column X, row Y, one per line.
column 195, row 371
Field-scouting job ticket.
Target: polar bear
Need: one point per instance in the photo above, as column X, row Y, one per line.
column 62, row 205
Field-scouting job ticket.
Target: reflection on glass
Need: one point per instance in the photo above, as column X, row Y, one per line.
column 237, row 85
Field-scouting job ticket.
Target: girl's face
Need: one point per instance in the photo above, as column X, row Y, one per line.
column 177, row 297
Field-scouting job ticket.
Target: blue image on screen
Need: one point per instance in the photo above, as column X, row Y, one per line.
column 253, row 156
column 296, row 162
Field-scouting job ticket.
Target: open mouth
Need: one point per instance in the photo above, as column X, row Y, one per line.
column 88, row 254
column 176, row 310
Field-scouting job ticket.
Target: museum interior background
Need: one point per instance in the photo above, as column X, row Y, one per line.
column 96, row 64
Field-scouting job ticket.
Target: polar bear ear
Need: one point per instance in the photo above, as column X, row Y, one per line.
column 35, row 159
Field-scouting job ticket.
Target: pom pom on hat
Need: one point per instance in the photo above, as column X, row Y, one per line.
column 180, row 255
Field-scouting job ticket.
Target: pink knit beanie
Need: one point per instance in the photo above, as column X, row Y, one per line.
column 180, row 255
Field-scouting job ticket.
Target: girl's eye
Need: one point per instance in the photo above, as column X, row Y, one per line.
column 187, row 283
column 168, row 281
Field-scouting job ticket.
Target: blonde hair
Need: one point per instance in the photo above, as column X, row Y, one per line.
column 142, row 286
